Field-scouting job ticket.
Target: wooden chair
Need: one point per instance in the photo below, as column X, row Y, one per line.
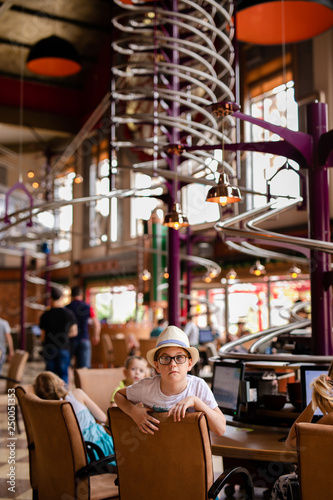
column 20, row 390
column 14, row 377
column 146, row 345
column 314, row 449
column 107, row 350
column 16, row 369
column 99, row 383
column 61, row 459
column 120, row 350
column 175, row 462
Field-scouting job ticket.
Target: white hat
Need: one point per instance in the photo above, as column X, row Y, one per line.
column 173, row 336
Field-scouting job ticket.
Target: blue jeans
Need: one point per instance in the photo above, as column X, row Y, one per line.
column 58, row 363
column 81, row 349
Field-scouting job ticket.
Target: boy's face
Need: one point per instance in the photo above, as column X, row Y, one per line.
column 136, row 371
column 173, row 371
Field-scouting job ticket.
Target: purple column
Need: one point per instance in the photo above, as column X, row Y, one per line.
column 319, row 229
column 173, row 236
column 22, row 300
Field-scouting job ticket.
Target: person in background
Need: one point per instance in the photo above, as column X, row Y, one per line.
column 322, row 398
column 49, row 386
column 192, row 331
column 58, row 325
column 6, row 340
column 81, row 345
column 135, row 368
column 161, row 324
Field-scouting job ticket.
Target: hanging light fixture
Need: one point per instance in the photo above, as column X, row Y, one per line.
column 145, row 276
column 176, row 218
column 78, row 179
column 54, row 56
column 284, row 21
column 223, row 193
column 231, row 275
column 207, row 279
column 294, row 271
column 258, row 269
column 166, row 274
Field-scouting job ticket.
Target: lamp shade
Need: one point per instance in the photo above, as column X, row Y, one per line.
column 258, row 269
column 223, row 193
column 54, row 56
column 176, row 219
column 282, row 21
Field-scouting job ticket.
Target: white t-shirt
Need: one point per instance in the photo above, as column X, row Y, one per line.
column 148, row 391
column 4, row 329
column 192, row 331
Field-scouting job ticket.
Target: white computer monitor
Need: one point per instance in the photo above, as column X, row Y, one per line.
column 309, row 373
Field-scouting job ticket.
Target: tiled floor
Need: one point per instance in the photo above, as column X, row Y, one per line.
column 14, row 448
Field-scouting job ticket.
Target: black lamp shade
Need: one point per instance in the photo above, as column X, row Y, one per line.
column 54, row 56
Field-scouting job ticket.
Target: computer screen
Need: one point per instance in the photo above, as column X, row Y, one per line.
column 227, row 378
column 205, row 335
column 309, row 373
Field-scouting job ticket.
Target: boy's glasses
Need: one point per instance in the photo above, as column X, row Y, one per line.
column 166, row 360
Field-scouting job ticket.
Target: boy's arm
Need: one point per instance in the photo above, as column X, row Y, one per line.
column 305, row 416
column 138, row 412
column 215, row 418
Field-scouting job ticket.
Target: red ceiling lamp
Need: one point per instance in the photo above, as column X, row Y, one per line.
column 54, row 56
column 282, row 21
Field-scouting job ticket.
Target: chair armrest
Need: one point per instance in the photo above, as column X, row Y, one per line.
column 100, row 466
column 220, row 482
column 10, row 379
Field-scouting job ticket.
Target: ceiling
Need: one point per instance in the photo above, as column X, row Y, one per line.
column 38, row 109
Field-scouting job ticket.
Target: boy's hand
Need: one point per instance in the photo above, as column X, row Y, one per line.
column 143, row 420
column 179, row 409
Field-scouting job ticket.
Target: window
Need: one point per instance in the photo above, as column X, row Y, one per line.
column 273, row 102
column 103, row 213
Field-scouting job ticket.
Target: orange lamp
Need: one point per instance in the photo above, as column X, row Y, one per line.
column 54, row 56
column 282, row 21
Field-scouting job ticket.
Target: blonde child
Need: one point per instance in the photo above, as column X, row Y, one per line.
column 49, row 386
column 172, row 390
column 135, row 368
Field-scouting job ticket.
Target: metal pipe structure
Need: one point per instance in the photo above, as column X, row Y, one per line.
column 180, row 59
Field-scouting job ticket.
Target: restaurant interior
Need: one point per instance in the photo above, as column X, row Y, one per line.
column 172, row 159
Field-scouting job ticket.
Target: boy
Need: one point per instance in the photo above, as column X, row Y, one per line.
column 135, row 368
column 172, row 390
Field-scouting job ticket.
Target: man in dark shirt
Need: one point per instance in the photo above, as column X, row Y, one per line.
column 81, row 345
column 58, row 325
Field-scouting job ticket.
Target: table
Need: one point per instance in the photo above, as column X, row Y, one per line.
column 248, row 442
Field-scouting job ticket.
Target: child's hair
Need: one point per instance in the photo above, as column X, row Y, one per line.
column 130, row 359
column 322, row 394
column 49, row 386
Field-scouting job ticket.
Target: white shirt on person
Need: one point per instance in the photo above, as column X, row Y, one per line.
column 192, row 331
column 148, row 391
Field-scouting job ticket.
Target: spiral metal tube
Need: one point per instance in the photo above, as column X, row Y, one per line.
column 171, row 61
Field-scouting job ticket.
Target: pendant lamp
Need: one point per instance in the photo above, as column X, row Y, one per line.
column 54, row 56
column 294, row 271
column 282, row 21
column 258, row 269
column 223, row 193
column 231, row 275
column 176, row 219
